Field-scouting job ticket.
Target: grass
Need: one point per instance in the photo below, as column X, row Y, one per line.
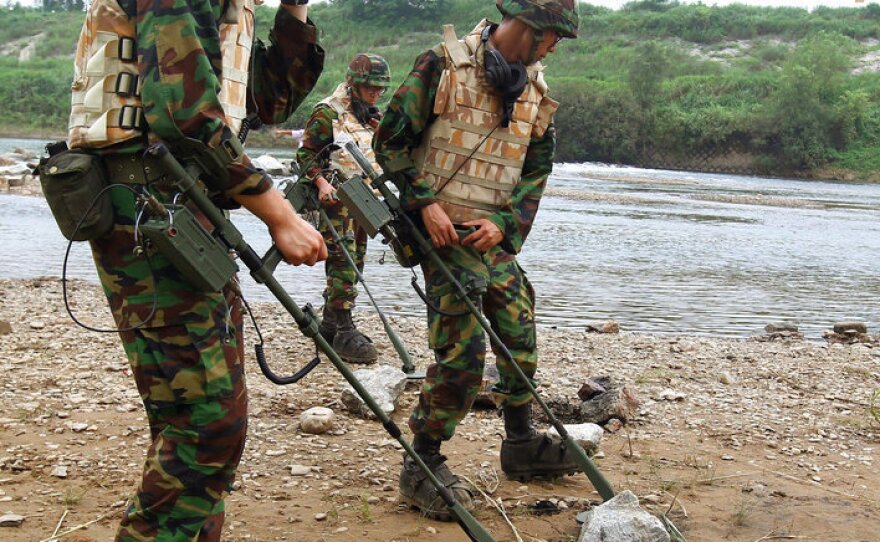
column 874, row 407
column 72, row 497
column 743, row 511
column 365, row 511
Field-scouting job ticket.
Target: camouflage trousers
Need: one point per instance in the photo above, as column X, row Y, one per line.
column 341, row 291
column 191, row 380
column 459, row 343
column 187, row 362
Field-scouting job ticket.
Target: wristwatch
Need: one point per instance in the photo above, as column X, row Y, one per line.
column 294, row 2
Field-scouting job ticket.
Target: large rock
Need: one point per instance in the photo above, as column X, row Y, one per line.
column 14, row 170
column 270, row 165
column 384, row 384
column 618, row 401
column 851, row 328
column 622, row 520
column 316, row 420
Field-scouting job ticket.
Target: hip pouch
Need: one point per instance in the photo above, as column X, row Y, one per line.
column 73, row 183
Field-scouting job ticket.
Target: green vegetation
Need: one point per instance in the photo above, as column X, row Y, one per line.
column 780, row 85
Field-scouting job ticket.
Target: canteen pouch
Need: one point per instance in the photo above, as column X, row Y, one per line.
column 72, row 182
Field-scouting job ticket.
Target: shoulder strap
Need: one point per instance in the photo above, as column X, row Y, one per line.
column 454, row 49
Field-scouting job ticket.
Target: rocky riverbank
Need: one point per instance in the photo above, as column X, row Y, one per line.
column 735, row 439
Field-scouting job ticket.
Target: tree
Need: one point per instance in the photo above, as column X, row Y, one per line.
column 814, row 113
column 390, row 10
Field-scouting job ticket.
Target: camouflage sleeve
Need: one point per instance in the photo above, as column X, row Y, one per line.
column 317, row 135
column 285, row 72
column 409, row 113
column 516, row 217
column 180, row 64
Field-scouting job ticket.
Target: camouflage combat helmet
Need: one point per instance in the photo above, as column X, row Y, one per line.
column 560, row 16
column 368, row 69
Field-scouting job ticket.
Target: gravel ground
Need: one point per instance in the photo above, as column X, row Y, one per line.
column 737, row 439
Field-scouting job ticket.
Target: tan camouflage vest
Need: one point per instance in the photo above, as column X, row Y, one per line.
column 106, row 106
column 467, row 112
column 346, row 122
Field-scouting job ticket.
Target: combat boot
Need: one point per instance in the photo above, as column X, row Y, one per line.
column 527, row 454
column 352, row 345
column 328, row 324
column 418, row 492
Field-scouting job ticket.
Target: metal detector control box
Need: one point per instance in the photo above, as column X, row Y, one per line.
column 367, row 210
column 181, row 238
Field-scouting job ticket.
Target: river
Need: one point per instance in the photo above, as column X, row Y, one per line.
column 659, row 251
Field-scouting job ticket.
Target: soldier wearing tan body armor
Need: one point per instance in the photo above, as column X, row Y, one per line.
column 351, row 109
column 469, row 137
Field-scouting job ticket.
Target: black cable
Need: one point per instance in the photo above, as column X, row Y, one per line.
column 155, row 304
column 261, row 355
column 476, row 148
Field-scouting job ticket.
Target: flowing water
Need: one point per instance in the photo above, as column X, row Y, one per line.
column 659, row 251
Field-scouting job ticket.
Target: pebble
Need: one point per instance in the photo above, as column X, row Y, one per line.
column 300, row 470
column 321, row 516
column 11, row 520
column 316, row 420
column 59, row 472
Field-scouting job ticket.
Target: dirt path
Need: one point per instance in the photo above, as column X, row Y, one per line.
column 772, row 441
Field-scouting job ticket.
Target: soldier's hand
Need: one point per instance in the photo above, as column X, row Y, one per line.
column 487, row 235
column 326, row 192
column 439, row 226
column 295, row 238
column 298, row 241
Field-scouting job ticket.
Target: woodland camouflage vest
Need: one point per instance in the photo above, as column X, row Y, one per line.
column 106, row 107
column 467, row 112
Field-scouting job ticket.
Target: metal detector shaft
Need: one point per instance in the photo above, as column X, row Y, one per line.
column 408, row 366
column 589, row 468
column 230, row 236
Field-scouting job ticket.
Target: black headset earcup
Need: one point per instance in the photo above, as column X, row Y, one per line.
column 517, row 79
column 497, row 69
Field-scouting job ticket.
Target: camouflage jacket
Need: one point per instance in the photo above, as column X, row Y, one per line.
column 180, row 96
column 313, row 155
column 180, row 66
column 406, row 120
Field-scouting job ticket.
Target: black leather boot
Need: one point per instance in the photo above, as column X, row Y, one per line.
column 352, row 345
column 328, row 324
column 418, row 492
column 527, row 454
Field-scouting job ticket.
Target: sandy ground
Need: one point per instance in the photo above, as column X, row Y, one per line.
column 767, row 441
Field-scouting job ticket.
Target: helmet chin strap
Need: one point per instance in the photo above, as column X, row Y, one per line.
column 537, row 39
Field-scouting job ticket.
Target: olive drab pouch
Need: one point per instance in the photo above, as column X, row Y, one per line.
column 73, row 183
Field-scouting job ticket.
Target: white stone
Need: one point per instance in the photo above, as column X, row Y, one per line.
column 384, row 384
column 588, row 435
column 300, row 470
column 316, row 420
column 622, row 520
column 11, row 520
column 270, row 164
column 59, row 472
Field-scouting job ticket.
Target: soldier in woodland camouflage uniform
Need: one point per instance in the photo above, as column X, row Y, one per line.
column 351, row 109
column 470, row 137
column 167, row 70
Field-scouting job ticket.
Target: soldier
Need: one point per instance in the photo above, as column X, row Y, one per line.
column 169, row 70
column 470, row 138
column 350, row 109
